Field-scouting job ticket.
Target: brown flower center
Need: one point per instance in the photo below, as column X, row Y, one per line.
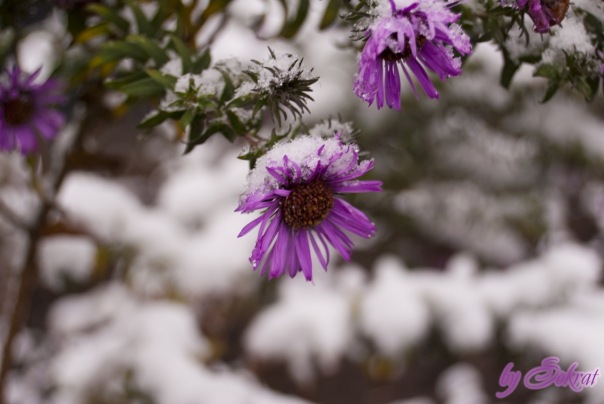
column 307, row 205
column 19, row 110
column 556, row 10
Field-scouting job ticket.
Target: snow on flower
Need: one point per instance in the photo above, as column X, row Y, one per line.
column 420, row 35
column 27, row 111
column 296, row 184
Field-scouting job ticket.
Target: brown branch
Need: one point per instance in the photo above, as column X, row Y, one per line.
column 27, row 279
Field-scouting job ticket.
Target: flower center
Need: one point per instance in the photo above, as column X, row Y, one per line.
column 18, row 110
column 555, row 10
column 307, row 205
column 391, row 56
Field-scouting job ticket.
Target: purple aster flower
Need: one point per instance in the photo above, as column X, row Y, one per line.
column 544, row 13
column 296, row 184
column 420, row 35
column 27, row 111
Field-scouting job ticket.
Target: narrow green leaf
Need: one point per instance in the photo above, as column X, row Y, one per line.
column 291, row 28
column 202, row 62
column 187, row 118
column 114, row 84
column 164, row 80
column 143, row 25
column 552, row 88
column 196, row 137
column 214, row 7
column 154, row 120
column 116, row 51
column 262, row 103
column 548, row 71
column 93, row 32
column 110, row 15
column 507, row 72
column 146, row 87
column 585, row 87
column 235, row 122
column 184, row 52
column 331, row 14
column 228, row 91
column 150, row 47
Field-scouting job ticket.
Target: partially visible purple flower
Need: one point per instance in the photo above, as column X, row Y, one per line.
column 544, row 13
column 419, row 36
column 27, row 111
column 296, row 184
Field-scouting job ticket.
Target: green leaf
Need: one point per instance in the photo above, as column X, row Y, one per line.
column 202, row 62
column 214, row 7
column 586, row 87
column 114, row 84
column 144, row 26
column 184, row 52
column 187, row 118
column 229, row 90
column 331, row 14
column 196, row 137
column 116, row 51
column 110, row 15
column 76, row 22
column 507, row 72
column 260, row 104
column 166, row 81
column 164, row 11
column 291, row 28
column 146, row 87
column 154, row 120
column 218, row 127
column 93, row 32
column 235, row 122
column 552, row 88
column 150, row 47
column 548, row 71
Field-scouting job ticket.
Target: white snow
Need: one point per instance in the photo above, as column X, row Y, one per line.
column 187, row 241
column 391, row 312
column 304, row 151
column 310, row 324
column 461, row 384
column 463, row 208
column 570, row 37
column 66, row 257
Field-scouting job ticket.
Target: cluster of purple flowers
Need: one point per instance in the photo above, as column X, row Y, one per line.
column 27, row 111
column 414, row 36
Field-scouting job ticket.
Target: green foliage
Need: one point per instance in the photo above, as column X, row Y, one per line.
column 577, row 72
column 228, row 100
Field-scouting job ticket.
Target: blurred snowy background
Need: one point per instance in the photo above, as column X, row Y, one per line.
column 489, row 249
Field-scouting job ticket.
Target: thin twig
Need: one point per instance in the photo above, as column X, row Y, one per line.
column 27, row 279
